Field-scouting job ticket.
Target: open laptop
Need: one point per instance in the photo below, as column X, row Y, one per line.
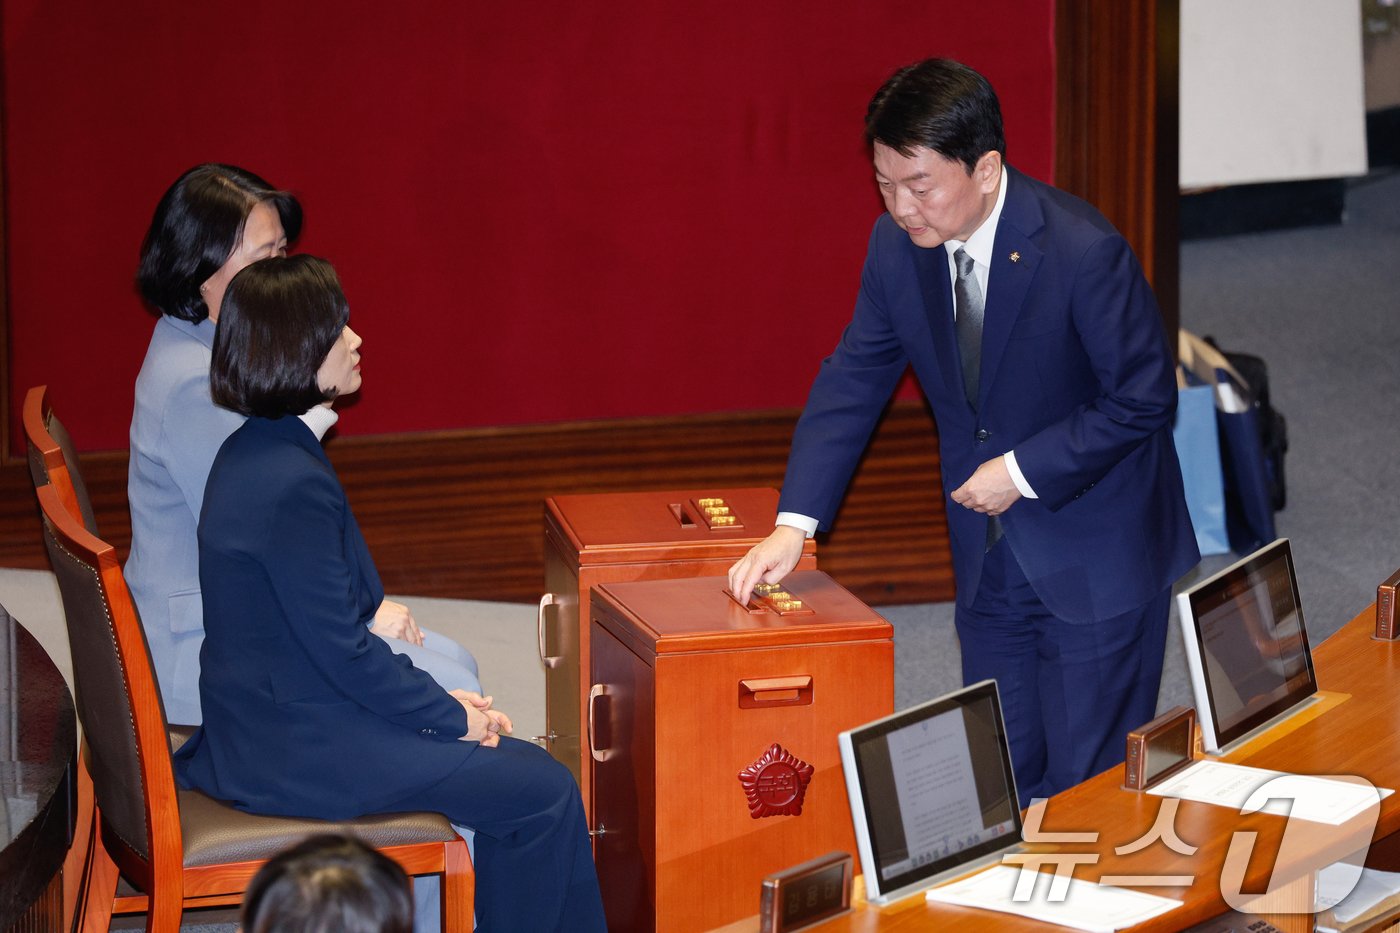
column 932, row 793
column 1246, row 647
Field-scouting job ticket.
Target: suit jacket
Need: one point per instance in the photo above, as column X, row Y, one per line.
column 175, row 432
column 305, row 711
column 1076, row 377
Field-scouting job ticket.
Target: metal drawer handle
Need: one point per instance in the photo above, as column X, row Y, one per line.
column 594, row 692
column 548, row 599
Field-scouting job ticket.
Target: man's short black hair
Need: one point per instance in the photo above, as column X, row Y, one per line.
column 941, row 105
column 279, row 320
column 328, row 884
column 196, row 226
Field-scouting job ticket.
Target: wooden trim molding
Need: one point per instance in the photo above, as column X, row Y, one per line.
column 461, row 514
column 5, row 388
column 1117, row 70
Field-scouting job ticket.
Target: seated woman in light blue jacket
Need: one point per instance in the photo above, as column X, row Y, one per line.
column 211, row 223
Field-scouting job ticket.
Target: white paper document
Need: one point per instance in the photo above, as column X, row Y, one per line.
column 1350, row 890
column 1331, row 800
column 1096, row 908
column 932, row 767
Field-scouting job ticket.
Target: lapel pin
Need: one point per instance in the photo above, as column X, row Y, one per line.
column 1015, row 256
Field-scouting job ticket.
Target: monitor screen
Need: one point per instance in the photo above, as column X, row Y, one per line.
column 931, row 790
column 1246, row 645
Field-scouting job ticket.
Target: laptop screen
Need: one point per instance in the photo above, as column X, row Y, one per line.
column 931, row 790
column 1246, row 645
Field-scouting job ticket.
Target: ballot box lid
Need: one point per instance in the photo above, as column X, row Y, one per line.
column 621, row 527
column 698, row 614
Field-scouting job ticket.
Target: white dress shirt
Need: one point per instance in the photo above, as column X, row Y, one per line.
column 979, row 247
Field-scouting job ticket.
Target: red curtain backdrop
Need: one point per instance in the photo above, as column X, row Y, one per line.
column 540, row 212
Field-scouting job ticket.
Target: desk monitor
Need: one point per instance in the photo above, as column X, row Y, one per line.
column 1246, row 646
column 932, row 793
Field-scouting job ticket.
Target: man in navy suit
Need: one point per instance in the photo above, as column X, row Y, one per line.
column 1053, row 396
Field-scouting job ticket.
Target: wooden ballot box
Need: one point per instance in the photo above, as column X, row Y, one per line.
column 607, row 537
column 712, row 740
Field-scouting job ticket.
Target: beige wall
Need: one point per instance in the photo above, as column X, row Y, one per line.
column 1271, row 90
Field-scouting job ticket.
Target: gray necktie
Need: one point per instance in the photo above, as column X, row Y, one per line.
column 967, row 295
column 970, row 310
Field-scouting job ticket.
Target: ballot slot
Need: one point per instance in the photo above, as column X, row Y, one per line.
column 712, row 513
column 772, row 597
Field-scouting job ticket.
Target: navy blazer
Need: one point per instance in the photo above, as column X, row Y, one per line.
column 1076, row 377
column 306, row 712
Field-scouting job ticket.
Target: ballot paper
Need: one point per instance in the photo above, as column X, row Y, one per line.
column 1332, row 800
column 1081, row 905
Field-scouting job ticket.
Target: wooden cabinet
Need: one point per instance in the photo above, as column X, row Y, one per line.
column 713, row 741
column 609, row 537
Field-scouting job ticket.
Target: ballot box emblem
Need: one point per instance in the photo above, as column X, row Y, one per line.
column 776, row 783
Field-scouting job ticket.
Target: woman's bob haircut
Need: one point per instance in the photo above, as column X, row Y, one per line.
column 196, row 226
column 278, row 322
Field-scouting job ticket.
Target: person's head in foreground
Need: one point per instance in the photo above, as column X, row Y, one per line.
column 329, row 884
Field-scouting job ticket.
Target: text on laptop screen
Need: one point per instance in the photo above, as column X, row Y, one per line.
column 937, row 789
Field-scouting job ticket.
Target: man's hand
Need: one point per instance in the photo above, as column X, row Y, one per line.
column 768, row 561
column 989, row 490
column 393, row 620
column 484, row 724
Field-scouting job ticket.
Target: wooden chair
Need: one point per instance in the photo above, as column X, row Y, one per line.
column 52, row 460
column 180, row 848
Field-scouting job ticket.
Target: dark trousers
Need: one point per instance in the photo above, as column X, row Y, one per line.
column 533, row 860
column 1070, row 692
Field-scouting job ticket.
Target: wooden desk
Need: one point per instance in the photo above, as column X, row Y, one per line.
column 38, row 793
column 1360, row 736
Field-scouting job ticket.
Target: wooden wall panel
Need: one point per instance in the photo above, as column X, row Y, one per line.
column 460, row 514
column 1116, row 125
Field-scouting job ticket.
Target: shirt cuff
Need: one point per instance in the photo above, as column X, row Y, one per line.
column 803, row 523
column 1017, row 476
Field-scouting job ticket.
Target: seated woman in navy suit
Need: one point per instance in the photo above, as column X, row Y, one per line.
column 212, row 222
column 306, row 713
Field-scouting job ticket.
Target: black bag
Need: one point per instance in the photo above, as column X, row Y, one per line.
column 1273, row 428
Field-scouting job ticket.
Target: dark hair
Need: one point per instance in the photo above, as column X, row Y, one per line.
column 279, row 319
column 196, row 227
column 328, row 884
column 941, row 105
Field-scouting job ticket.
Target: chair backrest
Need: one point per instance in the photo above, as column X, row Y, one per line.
column 52, row 459
column 118, row 702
